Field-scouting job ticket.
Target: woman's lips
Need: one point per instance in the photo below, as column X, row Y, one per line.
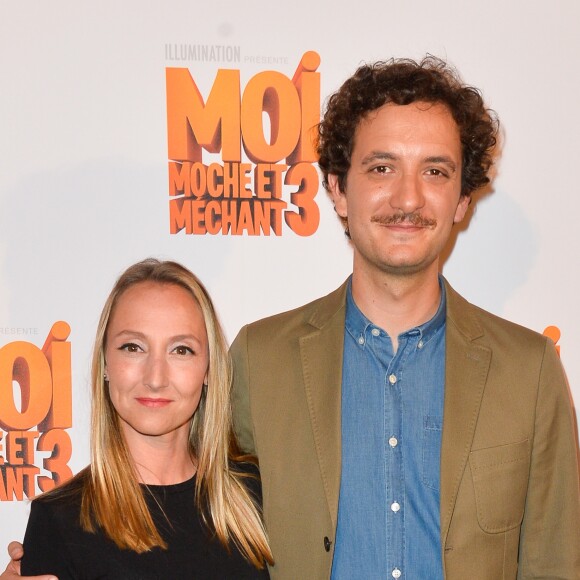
column 152, row 402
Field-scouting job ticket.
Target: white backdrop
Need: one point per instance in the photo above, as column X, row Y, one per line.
column 84, row 164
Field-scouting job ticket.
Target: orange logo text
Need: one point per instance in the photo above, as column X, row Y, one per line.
column 35, row 447
column 553, row 332
column 243, row 161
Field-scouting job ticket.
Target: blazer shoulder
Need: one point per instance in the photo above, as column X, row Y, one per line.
column 315, row 314
column 478, row 324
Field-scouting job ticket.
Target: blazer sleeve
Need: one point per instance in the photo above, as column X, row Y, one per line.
column 241, row 410
column 45, row 550
column 550, row 535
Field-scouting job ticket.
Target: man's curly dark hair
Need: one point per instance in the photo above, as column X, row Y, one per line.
column 402, row 82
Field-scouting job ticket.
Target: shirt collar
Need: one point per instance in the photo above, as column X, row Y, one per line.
column 357, row 324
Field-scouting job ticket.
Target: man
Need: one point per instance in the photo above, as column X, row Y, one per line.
column 401, row 431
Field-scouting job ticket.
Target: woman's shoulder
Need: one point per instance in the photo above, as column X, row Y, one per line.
column 54, row 520
column 69, row 492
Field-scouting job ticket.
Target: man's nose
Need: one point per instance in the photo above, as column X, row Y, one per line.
column 407, row 194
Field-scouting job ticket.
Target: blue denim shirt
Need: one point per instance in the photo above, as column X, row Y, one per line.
column 392, row 414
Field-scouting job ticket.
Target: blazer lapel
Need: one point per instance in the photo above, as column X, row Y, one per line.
column 467, row 365
column 321, row 355
column 466, row 369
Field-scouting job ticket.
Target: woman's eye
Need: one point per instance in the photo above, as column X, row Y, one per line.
column 130, row 347
column 183, row 350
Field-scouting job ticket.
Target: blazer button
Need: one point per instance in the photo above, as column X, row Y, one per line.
column 327, row 543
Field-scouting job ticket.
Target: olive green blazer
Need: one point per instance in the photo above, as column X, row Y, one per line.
column 509, row 478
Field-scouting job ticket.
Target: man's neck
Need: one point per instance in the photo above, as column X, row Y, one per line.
column 397, row 303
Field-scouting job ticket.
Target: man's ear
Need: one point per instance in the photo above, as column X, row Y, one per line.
column 461, row 209
column 338, row 197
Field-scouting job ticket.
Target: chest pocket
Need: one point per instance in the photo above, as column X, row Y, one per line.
column 500, row 480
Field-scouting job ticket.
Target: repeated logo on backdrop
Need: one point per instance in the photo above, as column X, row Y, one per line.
column 242, row 159
column 35, row 411
column 553, row 333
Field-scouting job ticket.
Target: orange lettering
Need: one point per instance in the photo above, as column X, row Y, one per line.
column 231, row 179
column 197, row 216
column 20, row 447
column 58, row 442
column 273, row 120
column 58, row 355
column 193, row 124
column 553, row 333
column 305, row 221
column 229, row 215
column 273, row 93
column 215, row 174
column 307, row 84
column 180, row 216
column 276, row 208
column 179, row 178
column 27, row 365
column 212, row 222
column 245, row 180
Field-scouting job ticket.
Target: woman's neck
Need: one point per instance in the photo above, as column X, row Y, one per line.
column 161, row 460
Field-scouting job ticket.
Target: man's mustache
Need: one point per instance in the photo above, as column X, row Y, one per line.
column 414, row 218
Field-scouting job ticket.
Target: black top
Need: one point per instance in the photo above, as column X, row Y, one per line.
column 55, row 543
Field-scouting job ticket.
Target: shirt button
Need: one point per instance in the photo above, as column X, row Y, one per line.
column 420, row 344
column 393, row 441
column 361, row 340
column 396, row 573
column 392, row 379
column 395, row 507
column 375, row 332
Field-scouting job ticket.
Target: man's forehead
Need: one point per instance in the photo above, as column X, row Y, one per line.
column 416, row 123
column 435, row 107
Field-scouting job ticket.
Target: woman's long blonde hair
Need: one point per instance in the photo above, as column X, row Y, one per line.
column 112, row 497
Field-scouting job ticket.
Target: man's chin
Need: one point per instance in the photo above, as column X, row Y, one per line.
column 407, row 267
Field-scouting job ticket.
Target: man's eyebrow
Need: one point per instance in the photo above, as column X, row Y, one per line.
column 442, row 159
column 378, row 156
column 375, row 156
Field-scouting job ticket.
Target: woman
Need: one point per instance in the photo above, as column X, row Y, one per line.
column 167, row 494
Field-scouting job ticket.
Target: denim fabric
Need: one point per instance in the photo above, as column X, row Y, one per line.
column 392, row 414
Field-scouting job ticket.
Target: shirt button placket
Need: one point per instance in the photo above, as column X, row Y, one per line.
column 393, row 442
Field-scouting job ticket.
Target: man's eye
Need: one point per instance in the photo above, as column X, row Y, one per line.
column 183, row 350
column 381, row 169
column 436, row 172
